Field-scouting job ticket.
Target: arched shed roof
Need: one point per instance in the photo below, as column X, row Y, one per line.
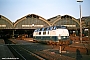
column 6, row 19
column 66, row 16
column 30, row 15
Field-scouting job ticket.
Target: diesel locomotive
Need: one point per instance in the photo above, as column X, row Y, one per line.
column 58, row 35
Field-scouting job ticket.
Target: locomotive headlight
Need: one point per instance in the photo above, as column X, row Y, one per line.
column 64, row 37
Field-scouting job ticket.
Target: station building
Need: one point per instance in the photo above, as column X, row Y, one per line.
column 30, row 22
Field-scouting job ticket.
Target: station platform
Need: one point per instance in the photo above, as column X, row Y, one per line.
column 5, row 53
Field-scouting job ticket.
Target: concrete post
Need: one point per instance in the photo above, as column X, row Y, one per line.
column 60, row 51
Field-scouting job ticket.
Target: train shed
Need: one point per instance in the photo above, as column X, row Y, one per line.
column 27, row 24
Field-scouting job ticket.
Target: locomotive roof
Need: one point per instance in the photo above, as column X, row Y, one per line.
column 51, row 28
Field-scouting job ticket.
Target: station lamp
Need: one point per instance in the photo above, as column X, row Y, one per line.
column 80, row 20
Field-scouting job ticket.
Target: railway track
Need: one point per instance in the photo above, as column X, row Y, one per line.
column 21, row 53
column 16, row 53
column 24, row 54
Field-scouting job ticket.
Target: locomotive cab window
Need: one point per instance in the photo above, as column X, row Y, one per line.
column 42, row 29
column 54, row 28
column 51, row 28
column 48, row 28
column 38, row 30
column 35, row 31
column 45, row 29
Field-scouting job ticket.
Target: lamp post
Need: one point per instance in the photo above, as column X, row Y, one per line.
column 80, row 20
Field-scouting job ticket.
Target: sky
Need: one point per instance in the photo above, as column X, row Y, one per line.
column 16, row 9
